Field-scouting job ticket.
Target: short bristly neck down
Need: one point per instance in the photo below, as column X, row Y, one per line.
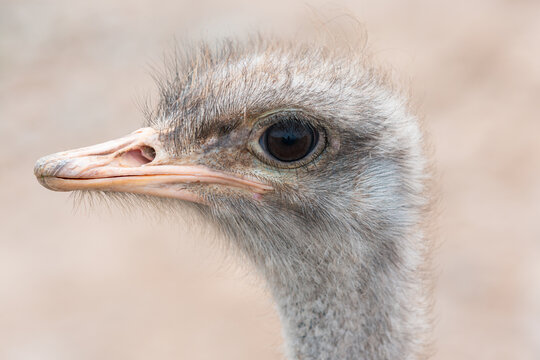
column 369, row 307
column 351, row 284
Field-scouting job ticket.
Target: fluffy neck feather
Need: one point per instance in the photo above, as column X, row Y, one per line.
column 362, row 307
column 351, row 283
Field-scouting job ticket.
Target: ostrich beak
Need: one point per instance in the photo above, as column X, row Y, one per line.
column 136, row 163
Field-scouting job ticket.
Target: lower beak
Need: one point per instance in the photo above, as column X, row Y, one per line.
column 136, row 163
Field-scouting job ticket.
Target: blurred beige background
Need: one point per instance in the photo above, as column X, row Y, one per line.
column 98, row 284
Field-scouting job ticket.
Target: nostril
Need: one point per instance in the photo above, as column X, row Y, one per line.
column 148, row 152
column 138, row 156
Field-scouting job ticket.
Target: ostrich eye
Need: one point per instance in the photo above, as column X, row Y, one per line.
column 289, row 141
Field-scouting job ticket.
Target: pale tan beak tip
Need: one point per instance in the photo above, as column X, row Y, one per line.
column 41, row 170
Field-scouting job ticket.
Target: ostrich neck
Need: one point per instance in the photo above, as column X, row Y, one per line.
column 362, row 307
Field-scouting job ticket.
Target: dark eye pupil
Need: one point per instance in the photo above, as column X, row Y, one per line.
column 289, row 141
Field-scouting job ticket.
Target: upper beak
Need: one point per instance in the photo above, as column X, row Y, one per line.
column 136, row 163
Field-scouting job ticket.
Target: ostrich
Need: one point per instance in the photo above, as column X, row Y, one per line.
column 311, row 165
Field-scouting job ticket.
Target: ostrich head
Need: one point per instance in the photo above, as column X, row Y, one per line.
column 310, row 164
